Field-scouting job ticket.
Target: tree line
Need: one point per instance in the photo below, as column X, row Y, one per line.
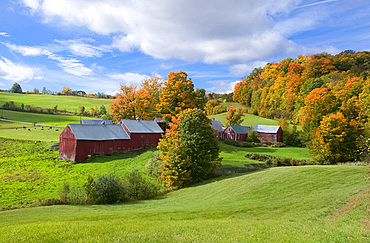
column 327, row 95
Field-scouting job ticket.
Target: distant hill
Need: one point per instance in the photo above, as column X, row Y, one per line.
column 69, row 103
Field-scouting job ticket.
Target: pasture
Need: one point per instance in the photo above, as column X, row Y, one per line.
column 46, row 119
column 283, row 204
column 69, row 103
column 249, row 120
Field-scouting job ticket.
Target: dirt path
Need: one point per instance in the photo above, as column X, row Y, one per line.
column 351, row 204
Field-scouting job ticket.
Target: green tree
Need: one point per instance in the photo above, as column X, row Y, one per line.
column 16, row 88
column 190, row 150
column 200, row 96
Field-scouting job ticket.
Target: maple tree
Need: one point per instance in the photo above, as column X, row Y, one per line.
column 235, row 116
column 177, row 95
column 189, row 149
column 335, row 139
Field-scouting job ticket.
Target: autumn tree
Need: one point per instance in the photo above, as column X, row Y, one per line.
column 189, row 149
column 318, row 103
column 335, row 139
column 124, row 106
column 153, row 85
column 177, row 95
column 16, row 88
column 66, row 91
column 235, row 116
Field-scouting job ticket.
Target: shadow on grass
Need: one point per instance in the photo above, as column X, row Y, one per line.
column 102, row 158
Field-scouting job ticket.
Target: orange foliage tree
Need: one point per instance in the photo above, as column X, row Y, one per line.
column 335, row 139
column 235, row 116
column 177, row 95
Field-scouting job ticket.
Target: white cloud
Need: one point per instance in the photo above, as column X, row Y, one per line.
column 25, row 50
column 4, row 34
column 69, row 65
column 17, row 72
column 80, row 48
column 191, row 30
column 129, row 78
column 240, row 70
column 223, row 87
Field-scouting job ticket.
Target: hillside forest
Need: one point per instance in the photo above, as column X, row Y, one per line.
column 328, row 96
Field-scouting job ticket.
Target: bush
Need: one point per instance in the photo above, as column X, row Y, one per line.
column 238, row 144
column 63, row 194
column 276, row 161
column 153, row 166
column 77, row 196
column 138, row 188
column 109, row 189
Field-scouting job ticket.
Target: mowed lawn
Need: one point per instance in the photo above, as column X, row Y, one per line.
column 69, row 103
column 235, row 156
column 284, row 204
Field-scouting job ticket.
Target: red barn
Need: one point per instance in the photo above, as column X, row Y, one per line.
column 77, row 141
column 142, row 133
column 269, row 134
column 237, row 132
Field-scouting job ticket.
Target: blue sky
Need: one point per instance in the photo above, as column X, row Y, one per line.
column 96, row 45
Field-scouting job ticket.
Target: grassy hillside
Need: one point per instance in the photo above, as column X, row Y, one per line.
column 69, row 103
column 48, row 119
column 249, row 120
column 29, row 132
column 28, row 171
column 290, row 204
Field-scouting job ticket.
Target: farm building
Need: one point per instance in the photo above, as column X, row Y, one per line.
column 266, row 133
column 96, row 122
column 77, row 141
column 161, row 122
column 217, row 125
column 237, row 132
column 269, row 134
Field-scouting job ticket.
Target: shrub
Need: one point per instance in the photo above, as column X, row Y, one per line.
column 109, row 189
column 77, row 196
column 91, row 196
column 276, row 161
column 153, row 166
column 63, row 194
column 238, row 144
column 138, row 188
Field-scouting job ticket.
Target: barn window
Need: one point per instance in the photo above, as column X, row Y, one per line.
column 228, row 135
column 119, row 148
column 232, row 136
column 238, row 136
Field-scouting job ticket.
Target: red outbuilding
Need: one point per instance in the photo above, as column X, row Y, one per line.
column 77, row 141
column 269, row 134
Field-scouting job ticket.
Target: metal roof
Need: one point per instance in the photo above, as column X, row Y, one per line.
column 98, row 132
column 266, row 128
column 141, row 126
column 238, row 129
column 160, row 119
column 96, row 122
column 216, row 124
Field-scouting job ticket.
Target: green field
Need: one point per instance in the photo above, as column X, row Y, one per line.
column 234, row 157
column 286, row 204
column 29, row 132
column 29, row 172
column 69, row 103
column 47, row 119
column 249, row 120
